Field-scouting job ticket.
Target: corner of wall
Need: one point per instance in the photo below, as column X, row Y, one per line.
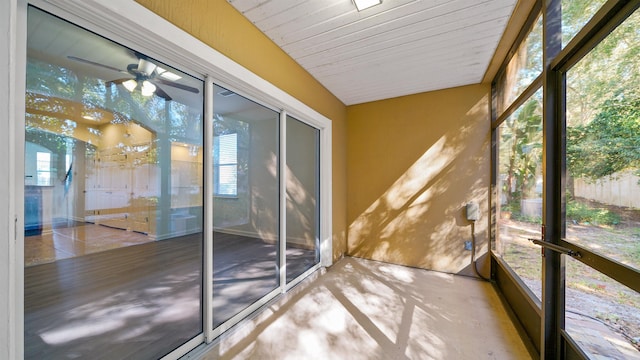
column 414, row 162
column 220, row 26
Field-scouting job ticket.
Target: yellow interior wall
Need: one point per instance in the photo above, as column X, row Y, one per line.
column 413, row 163
column 219, row 25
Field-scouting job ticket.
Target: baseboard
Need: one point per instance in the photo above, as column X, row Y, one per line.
column 296, row 242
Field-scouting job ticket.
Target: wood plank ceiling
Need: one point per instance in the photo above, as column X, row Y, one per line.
column 398, row 48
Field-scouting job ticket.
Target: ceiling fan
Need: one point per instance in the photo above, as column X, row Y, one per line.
column 147, row 77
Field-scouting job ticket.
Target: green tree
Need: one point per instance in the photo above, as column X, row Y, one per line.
column 603, row 104
column 522, row 134
column 608, row 144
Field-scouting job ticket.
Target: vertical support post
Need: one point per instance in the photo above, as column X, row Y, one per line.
column 207, row 302
column 283, row 201
column 494, row 201
column 552, row 262
column 326, row 196
column 13, row 43
column 163, row 222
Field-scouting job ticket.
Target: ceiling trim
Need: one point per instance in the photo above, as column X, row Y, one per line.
column 517, row 20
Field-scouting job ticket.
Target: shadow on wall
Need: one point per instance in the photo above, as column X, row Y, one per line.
column 414, row 213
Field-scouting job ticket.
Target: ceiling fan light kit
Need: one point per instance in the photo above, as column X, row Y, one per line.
column 147, row 77
column 130, row 84
column 147, row 88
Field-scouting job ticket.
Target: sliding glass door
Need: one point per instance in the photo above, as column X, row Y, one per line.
column 113, row 234
column 602, row 196
column 302, row 198
column 246, row 203
column 121, row 167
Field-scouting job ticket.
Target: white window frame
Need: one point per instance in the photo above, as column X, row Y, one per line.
column 132, row 25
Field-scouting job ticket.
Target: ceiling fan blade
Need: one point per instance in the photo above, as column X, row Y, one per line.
column 117, row 81
column 75, row 58
column 176, row 85
column 162, row 94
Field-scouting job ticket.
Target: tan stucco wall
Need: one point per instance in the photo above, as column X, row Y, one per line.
column 413, row 163
column 218, row 24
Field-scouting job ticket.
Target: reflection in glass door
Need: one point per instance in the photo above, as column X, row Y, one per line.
column 302, row 197
column 113, row 198
column 602, row 217
column 245, row 203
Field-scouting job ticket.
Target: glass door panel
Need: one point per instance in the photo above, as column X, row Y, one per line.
column 246, row 203
column 113, row 198
column 575, row 14
column 519, row 211
column 303, row 194
column 603, row 188
column 601, row 315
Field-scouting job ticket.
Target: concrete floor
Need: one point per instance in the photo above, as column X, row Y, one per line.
column 363, row 309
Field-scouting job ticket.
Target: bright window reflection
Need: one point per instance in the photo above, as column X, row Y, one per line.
column 113, row 242
column 43, row 168
column 523, row 68
column 520, row 191
column 225, row 164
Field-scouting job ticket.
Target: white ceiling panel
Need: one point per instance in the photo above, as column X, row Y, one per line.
column 398, row 48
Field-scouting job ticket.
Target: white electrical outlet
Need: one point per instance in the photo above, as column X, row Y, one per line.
column 472, row 211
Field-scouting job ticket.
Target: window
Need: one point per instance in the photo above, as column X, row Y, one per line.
column 522, row 70
column 43, row 166
column 225, row 165
column 602, row 189
column 586, row 156
column 109, row 171
column 519, row 208
column 575, row 14
column 519, row 182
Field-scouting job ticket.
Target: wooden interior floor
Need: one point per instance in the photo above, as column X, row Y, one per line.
column 141, row 301
column 363, row 309
column 67, row 240
column 135, row 302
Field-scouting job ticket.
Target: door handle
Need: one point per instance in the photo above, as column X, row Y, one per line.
column 556, row 248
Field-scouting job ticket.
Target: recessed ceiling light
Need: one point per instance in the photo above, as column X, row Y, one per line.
column 226, row 93
column 167, row 74
column 365, row 4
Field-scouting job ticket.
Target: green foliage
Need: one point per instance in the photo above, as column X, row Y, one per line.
column 514, row 208
column 582, row 213
column 603, row 101
column 576, row 13
column 608, row 144
column 528, row 219
column 521, row 139
column 635, row 253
